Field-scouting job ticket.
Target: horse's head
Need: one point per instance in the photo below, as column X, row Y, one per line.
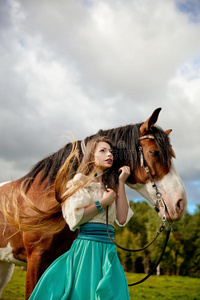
column 155, row 176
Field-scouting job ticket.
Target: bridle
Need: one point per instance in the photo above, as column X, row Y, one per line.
column 159, row 200
column 159, row 203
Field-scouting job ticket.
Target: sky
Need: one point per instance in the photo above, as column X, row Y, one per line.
column 77, row 66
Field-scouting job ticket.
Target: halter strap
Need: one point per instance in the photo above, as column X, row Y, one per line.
column 159, row 200
column 151, row 137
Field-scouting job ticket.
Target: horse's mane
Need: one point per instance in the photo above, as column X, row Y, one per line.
column 126, row 141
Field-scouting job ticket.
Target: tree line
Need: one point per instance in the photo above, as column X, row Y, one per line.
column 182, row 254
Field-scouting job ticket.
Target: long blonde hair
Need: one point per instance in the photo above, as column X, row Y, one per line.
column 51, row 221
column 86, row 167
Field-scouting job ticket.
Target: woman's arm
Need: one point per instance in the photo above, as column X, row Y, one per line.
column 77, row 208
column 91, row 211
column 122, row 206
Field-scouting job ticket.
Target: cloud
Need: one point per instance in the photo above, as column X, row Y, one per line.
column 117, row 49
column 84, row 65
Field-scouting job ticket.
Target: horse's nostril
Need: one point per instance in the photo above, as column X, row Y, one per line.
column 179, row 206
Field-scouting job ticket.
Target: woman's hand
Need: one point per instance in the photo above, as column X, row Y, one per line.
column 122, row 206
column 125, row 173
column 109, row 197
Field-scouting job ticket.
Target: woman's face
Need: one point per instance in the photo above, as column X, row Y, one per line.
column 103, row 157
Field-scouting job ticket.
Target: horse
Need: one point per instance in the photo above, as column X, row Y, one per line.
column 144, row 146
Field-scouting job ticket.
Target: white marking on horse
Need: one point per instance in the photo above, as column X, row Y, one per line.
column 2, row 183
column 172, row 189
column 6, row 271
column 6, row 255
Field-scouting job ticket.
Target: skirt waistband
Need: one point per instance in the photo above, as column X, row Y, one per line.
column 96, row 232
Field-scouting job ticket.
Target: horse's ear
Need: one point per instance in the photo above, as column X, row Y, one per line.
column 150, row 122
column 168, row 131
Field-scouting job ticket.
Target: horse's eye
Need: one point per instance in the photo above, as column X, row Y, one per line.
column 154, row 153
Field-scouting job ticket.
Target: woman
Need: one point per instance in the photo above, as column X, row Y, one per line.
column 91, row 268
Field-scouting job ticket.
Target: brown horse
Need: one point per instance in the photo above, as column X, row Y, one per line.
column 17, row 248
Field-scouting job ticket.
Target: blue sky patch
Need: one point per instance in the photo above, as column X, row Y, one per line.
column 191, row 8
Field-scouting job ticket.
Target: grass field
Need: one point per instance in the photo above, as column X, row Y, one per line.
column 162, row 287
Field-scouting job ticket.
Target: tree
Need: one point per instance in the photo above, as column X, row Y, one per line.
column 182, row 255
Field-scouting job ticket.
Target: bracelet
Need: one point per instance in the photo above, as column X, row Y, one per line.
column 98, row 205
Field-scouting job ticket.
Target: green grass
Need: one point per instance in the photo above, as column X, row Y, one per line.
column 15, row 289
column 156, row 287
column 164, row 287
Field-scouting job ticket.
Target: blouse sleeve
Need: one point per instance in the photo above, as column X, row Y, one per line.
column 129, row 216
column 73, row 207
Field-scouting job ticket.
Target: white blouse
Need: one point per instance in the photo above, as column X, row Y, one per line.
column 73, row 207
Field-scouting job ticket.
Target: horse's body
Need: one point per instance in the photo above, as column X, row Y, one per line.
column 18, row 249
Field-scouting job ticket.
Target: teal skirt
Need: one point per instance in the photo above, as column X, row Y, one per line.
column 90, row 270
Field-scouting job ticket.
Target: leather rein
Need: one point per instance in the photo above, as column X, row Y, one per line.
column 159, row 203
